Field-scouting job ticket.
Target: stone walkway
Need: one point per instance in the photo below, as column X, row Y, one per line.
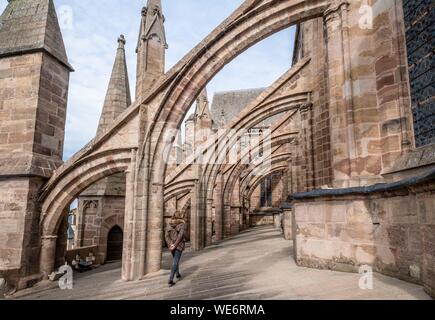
column 256, row 264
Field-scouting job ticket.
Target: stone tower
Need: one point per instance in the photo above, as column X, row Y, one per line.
column 34, row 78
column 151, row 47
column 203, row 119
column 118, row 96
column 101, row 206
column 198, row 126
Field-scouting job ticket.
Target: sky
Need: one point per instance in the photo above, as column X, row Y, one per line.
column 91, row 28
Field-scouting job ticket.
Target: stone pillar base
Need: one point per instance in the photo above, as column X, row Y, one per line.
column 287, row 223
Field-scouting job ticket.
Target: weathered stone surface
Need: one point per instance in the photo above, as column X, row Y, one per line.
column 215, row 273
column 341, row 115
column 394, row 242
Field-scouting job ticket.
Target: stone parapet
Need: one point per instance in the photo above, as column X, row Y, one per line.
column 414, row 163
column 390, row 227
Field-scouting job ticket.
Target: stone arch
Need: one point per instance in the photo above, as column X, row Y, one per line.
column 230, row 183
column 171, row 97
column 178, row 188
column 251, row 23
column 248, row 191
column 279, row 160
column 63, row 189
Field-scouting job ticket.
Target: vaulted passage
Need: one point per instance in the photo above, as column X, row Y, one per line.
column 256, row 264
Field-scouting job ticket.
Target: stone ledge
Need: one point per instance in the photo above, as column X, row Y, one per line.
column 377, row 188
column 417, row 158
column 28, row 165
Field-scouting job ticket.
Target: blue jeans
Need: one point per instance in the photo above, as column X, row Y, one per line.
column 176, row 254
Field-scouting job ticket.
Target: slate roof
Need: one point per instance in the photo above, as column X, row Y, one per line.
column 232, row 103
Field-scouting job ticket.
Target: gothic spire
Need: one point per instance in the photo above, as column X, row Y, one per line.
column 118, row 93
column 202, row 105
column 151, row 47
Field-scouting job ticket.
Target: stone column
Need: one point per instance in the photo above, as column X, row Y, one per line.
column 295, row 168
column 277, row 220
column 209, row 214
column 340, row 93
column 307, row 145
column 128, row 246
column 288, row 225
column 285, row 184
column 48, row 255
column 241, row 218
column 248, row 215
column 219, row 208
column 227, row 219
column 195, row 228
column 154, row 239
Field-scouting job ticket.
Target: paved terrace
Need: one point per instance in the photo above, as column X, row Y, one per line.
column 256, row 264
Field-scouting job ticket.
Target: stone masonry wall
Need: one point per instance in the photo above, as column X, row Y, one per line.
column 19, row 78
column 394, row 233
column 97, row 215
column 19, row 221
column 33, row 95
column 361, row 120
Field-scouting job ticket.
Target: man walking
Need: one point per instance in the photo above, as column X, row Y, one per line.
column 176, row 243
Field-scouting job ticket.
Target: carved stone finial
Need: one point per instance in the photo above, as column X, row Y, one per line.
column 144, row 11
column 121, row 41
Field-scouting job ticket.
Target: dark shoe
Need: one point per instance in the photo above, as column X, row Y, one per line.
column 171, row 283
column 178, row 276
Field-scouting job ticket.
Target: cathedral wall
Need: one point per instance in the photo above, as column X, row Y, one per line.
column 19, row 78
column 19, row 228
column 361, row 106
column 366, row 100
column 33, row 95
